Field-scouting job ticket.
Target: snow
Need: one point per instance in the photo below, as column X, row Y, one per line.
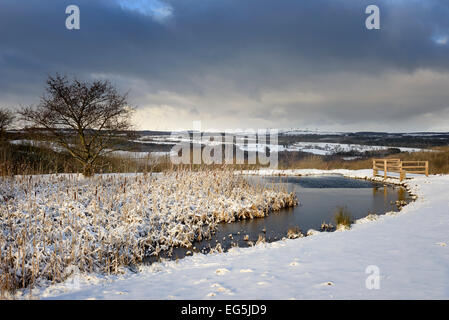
column 52, row 225
column 319, row 148
column 38, row 143
column 142, row 155
column 316, row 151
column 410, row 250
column 350, row 158
column 324, row 148
column 300, row 132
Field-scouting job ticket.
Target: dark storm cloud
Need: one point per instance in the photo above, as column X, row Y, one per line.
column 220, row 58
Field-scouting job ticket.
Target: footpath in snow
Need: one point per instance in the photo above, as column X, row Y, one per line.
column 409, row 249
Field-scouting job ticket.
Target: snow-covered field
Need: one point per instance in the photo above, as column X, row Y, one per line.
column 324, row 148
column 321, row 148
column 318, row 148
column 410, row 250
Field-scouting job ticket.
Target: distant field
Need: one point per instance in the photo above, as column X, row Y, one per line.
column 150, row 151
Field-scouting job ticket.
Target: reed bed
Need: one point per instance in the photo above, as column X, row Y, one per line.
column 53, row 224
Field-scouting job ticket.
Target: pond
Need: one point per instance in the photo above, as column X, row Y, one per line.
column 319, row 199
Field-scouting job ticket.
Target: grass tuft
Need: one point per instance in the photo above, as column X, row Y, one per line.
column 294, row 233
column 343, row 218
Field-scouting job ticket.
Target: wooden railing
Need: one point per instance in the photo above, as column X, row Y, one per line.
column 401, row 167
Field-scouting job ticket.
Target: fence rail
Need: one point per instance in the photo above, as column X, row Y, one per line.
column 401, row 167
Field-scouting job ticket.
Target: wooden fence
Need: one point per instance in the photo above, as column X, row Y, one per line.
column 401, row 167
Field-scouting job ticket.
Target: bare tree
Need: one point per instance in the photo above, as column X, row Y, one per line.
column 82, row 117
column 6, row 120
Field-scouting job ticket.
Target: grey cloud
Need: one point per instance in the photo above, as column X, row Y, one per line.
column 220, row 57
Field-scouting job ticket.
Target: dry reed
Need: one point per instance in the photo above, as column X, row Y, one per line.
column 51, row 225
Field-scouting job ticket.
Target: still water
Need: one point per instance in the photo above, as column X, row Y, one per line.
column 319, row 199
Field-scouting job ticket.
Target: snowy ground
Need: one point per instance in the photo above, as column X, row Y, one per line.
column 411, row 250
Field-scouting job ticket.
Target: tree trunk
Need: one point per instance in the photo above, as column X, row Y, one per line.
column 88, row 170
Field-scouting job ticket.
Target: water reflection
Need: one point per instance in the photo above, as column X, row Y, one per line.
column 401, row 194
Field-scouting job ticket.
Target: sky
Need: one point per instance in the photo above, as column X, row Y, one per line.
column 240, row 64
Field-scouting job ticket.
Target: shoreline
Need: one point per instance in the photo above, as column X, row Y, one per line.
column 403, row 245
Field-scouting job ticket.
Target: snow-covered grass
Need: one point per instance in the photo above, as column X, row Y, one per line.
column 410, row 249
column 54, row 225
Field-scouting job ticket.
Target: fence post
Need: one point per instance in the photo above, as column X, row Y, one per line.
column 385, row 169
column 427, row 168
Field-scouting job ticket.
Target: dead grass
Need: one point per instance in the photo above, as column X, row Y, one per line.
column 343, row 218
column 294, row 233
column 438, row 161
